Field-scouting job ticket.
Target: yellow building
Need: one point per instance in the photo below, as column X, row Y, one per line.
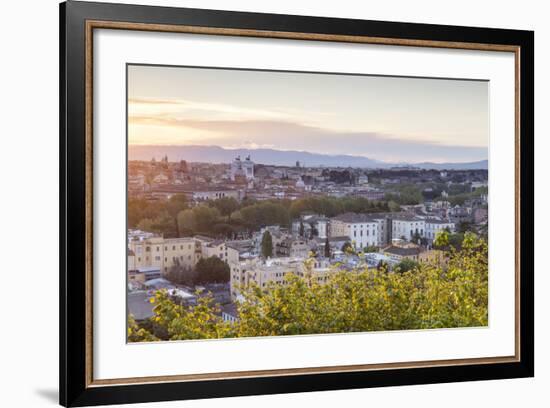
column 163, row 253
column 275, row 270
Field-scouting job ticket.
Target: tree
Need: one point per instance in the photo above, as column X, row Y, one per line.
column 327, row 248
column 136, row 333
column 211, row 270
column 265, row 213
column 465, row 226
column 267, row 245
column 200, row 219
column 162, row 224
column 370, row 249
column 427, row 297
column 181, row 275
column 226, row 206
column 441, row 240
column 405, row 265
column 347, row 248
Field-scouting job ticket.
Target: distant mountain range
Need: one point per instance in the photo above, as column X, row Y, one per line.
column 216, row 154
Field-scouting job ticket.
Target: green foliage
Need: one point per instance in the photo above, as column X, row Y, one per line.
column 370, row 249
column 198, row 219
column 211, row 270
column 441, row 240
column 406, row 194
column 347, row 248
column 183, row 322
column 265, row 213
column 332, row 206
column 181, row 275
column 226, row 216
column 267, row 245
column 393, row 206
column 406, row 265
column 158, row 216
column 226, row 206
column 137, row 333
column 425, row 297
column 162, row 224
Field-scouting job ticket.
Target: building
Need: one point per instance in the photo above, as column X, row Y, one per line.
column 213, row 193
column 397, row 254
column 230, row 313
column 335, row 243
column 314, row 225
column 434, row 226
column 458, row 214
column 407, row 227
column 242, row 168
column 217, row 248
column 143, row 273
column 361, row 229
column 383, row 229
column 263, row 272
column 481, row 215
column 295, row 247
column 161, row 253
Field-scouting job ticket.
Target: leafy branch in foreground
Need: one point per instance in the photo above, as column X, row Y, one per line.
column 425, row 297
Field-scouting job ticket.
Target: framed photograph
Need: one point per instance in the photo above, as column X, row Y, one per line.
column 257, row 203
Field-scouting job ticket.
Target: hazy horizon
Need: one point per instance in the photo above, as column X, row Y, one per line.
column 389, row 119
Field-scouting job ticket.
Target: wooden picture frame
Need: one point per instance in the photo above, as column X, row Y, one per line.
column 78, row 20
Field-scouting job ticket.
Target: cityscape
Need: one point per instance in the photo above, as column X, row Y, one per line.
column 300, row 242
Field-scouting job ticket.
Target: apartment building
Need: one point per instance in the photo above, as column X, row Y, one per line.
column 407, row 226
column 434, row 226
column 163, row 253
column 261, row 273
column 361, row 229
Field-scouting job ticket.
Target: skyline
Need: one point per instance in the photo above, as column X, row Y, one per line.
column 391, row 119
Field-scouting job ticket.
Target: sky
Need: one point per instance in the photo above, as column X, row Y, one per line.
column 394, row 119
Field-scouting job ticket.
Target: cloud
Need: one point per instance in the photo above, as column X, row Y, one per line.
column 288, row 135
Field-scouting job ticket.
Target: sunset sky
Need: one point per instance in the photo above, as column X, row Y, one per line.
column 384, row 118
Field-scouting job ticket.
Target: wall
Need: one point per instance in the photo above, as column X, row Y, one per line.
column 29, row 201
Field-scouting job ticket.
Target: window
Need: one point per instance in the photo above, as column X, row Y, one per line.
column 158, row 249
column 157, row 258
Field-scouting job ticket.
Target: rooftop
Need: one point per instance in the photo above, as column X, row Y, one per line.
column 354, row 218
column 402, row 251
